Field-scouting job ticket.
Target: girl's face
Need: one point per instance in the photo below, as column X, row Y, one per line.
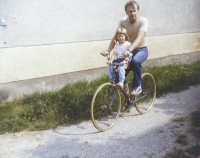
column 121, row 38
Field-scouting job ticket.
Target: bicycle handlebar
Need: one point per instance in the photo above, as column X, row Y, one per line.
column 115, row 64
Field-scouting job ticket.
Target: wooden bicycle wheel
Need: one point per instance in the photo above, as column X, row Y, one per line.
column 147, row 97
column 105, row 106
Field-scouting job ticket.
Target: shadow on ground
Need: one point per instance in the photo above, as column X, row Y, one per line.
column 135, row 136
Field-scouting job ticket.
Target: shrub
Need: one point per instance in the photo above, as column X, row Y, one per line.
column 71, row 104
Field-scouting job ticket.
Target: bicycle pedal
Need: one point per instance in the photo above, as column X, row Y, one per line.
column 129, row 107
column 125, row 111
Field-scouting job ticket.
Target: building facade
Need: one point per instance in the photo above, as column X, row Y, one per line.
column 46, row 44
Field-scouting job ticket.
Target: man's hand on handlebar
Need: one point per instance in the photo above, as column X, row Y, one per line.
column 127, row 53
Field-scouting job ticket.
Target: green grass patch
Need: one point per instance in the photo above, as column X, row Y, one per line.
column 174, row 78
column 182, row 139
column 192, row 151
column 178, row 153
column 71, row 104
column 179, row 119
column 195, row 119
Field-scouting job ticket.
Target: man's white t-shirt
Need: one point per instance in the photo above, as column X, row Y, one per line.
column 133, row 29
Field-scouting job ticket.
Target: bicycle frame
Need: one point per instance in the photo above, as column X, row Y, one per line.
column 128, row 98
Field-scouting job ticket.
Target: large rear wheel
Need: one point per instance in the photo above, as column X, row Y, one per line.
column 105, row 106
column 147, row 97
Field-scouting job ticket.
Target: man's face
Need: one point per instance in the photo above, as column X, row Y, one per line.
column 132, row 12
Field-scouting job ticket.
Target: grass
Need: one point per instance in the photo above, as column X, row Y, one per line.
column 71, row 104
column 182, row 139
column 178, row 153
column 179, row 119
column 195, row 119
column 175, row 78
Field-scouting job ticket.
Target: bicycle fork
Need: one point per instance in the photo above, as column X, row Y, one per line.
column 111, row 91
column 129, row 101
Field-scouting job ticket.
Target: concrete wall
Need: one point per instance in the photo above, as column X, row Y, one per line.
column 52, row 38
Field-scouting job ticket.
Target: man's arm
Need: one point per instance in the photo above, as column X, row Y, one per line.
column 136, row 42
column 111, row 46
column 112, row 42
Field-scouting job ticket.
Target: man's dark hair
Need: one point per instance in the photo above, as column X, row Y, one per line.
column 132, row 3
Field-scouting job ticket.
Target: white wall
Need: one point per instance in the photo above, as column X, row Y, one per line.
column 21, row 63
column 45, row 38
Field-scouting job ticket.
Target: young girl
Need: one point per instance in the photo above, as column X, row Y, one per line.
column 121, row 46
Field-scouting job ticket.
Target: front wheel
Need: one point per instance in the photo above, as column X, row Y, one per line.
column 145, row 100
column 105, row 106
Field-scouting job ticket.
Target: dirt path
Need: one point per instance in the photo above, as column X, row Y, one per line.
column 134, row 135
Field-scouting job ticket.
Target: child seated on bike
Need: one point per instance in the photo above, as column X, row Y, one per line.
column 117, row 57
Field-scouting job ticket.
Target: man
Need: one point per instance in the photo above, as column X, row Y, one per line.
column 136, row 27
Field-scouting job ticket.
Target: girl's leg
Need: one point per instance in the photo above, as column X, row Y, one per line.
column 111, row 69
column 121, row 72
column 139, row 56
column 110, row 72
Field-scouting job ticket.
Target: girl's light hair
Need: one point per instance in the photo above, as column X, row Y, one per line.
column 121, row 31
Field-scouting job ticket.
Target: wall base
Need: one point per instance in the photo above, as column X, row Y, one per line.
column 10, row 91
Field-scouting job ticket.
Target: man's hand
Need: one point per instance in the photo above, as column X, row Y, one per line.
column 127, row 53
column 104, row 53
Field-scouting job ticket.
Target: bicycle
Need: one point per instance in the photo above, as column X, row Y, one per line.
column 106, row 101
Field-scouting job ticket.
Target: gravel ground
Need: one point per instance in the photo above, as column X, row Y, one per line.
column 134, row 135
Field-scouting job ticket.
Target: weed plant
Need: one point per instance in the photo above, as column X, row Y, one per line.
column 195, row 119
column 193, row 151
column 71, row 104
column 182, row 139
column 178, row 153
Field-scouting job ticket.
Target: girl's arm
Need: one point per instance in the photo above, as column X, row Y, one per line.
column 126, row 59
column 113, row 57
